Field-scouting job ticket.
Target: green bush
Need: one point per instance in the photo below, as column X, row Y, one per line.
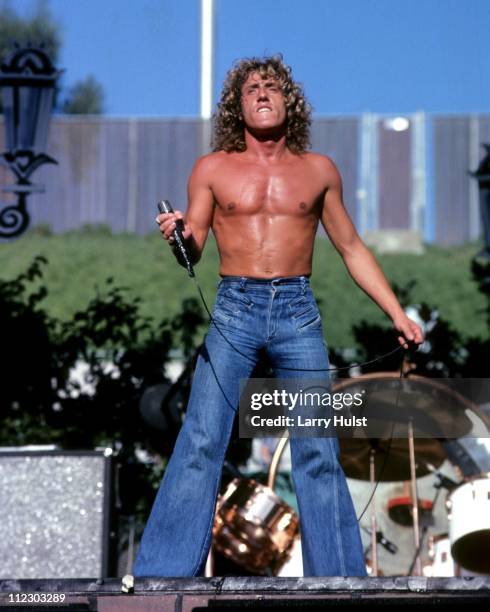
column 80, row 261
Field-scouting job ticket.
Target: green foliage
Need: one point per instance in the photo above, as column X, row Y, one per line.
column 41, row 30
column 120, row 351
column 38, row 29
column 117, row 352
column 86, row 97
column 124, row 351
column 144, row 264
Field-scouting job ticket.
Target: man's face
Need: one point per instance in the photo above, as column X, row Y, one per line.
column 263, row 104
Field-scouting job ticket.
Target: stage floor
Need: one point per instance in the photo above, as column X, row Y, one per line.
column 236, row 593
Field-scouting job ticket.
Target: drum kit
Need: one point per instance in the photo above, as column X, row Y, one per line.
column 259, row 531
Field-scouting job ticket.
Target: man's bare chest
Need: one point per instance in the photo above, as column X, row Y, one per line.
column 277, row 191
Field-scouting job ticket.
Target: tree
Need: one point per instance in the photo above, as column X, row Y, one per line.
column 42, row 30
column 86, row 97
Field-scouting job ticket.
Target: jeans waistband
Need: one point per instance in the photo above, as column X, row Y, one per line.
column 281, row 280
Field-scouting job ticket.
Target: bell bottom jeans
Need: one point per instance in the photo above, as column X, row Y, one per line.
column 281, row 317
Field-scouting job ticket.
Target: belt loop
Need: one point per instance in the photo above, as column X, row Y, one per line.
column 243, row 281
column 303, row 285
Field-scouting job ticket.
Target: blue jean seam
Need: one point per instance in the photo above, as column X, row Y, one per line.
column 211, row 522
column 340, row 549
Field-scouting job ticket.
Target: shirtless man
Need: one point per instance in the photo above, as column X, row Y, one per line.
column 263, row 195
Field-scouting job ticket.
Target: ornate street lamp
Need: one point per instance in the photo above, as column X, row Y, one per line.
column 27, row 81
column 481, row 262
column 482, row 175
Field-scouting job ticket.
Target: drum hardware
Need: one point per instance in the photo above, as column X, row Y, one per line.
column 372, row 567
column 380, row 539
column 369, row 565
column 276, row 458
column 400, row 511
column 374, row 542
column 429, row 453
column 441, row 563
column 443, row 481
column 425, row 523
column 415, row 505
column 443, row 411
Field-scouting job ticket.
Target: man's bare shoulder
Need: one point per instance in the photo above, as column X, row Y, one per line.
column 325, row 166
column 322, row 162
column 211, row 162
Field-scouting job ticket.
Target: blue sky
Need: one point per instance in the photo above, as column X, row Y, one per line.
column 386, row 56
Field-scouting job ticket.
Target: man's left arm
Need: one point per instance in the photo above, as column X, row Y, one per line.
column 359, row 260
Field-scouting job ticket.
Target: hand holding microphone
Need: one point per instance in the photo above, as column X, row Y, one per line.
column 173, row 230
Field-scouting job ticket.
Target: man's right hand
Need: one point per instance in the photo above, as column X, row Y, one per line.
column 167, row 224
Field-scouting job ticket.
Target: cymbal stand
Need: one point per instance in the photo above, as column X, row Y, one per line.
column 415, row 501
column 374, row 543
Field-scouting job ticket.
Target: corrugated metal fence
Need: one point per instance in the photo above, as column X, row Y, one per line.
column 112, row 171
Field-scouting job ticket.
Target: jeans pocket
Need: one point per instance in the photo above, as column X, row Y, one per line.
column 310, row 319
column 297, row 302
column 305, row 313
column 231, row 304
column 220, row 315
column 236, row 298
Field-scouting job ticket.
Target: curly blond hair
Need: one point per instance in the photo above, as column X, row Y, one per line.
column 227, row 121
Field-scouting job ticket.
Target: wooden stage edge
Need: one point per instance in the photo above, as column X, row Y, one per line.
column 237, row 593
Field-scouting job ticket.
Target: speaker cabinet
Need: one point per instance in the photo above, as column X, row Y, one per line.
column 54, row 513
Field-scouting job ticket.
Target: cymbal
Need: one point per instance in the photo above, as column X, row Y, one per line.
column 355, row 454
column 433, row 407
column 436, row 409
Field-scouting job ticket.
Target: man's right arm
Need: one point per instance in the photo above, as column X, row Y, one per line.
column 199, row 215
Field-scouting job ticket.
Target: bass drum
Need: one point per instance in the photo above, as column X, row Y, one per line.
column 469, row 524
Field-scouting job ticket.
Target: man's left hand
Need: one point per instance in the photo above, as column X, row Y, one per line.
column 410, row 332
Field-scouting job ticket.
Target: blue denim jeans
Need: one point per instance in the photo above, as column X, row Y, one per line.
column 280, row 317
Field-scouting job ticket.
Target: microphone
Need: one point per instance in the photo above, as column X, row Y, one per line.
column 164, row 206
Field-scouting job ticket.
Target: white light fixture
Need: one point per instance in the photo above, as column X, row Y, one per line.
column 397, row 124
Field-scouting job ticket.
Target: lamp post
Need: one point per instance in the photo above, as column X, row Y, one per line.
column 481, row 262
column 27, row 81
